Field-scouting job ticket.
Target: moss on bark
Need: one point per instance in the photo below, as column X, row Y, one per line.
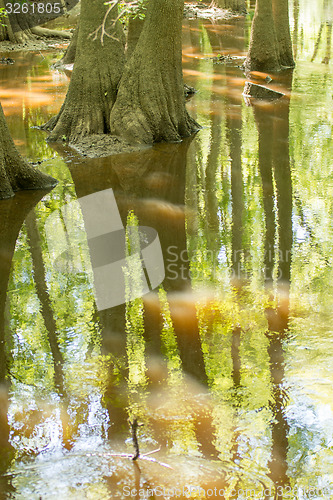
column 69, row 55
column 270, row 44
column 150, row 104
column 282, row 28
column 96, row 74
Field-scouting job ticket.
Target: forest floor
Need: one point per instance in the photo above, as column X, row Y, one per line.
column 37, row 44
column 193, row 10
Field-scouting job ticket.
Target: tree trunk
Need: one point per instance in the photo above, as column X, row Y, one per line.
column 263, row 53
column 69, row 55
column 327, row 57
column 234, row 5
column 270, row 44
column 150, row 105
column 96, row 74
column 16, row 29
column 282, row 29
column 135, row 26
column 15, row 173
column 22, row 27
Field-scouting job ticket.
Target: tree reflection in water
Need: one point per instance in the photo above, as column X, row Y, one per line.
column 201, row 362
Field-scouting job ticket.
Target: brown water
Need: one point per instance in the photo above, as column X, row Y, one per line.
column 227, row 363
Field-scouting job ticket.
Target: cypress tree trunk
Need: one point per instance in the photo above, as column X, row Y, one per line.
column 270, row 44
column 17, row 30
column 96, row 74
column 69, row 55
column 282, row 29
column 235, row 5
column 135, row 26
column 15, row 173
column 21, row 27
column 150, row 105
column 263, row 54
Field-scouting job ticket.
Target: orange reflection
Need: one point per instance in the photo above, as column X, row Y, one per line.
column 14, row 99
column 203, row 76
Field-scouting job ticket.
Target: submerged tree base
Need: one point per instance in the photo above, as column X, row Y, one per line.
column 15, row 173
column 101, row 145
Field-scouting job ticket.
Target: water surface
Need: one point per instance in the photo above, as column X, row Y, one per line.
column 227, row 364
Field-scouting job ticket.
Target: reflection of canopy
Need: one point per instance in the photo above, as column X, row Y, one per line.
column 113, row 268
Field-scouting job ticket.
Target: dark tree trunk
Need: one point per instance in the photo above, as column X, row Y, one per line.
column 96, row 74
column 327, row 57
column 12, row 214
column 150, row 105
column 15, row 173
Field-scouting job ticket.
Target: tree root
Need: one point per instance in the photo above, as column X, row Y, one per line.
column 39, row 31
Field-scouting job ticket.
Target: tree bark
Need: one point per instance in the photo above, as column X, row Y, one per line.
column 135, row 26
column 150, row 105
column 263, row 54
column 234, row 5
column 22, row 27
column 15, row 172
column 270, row 44
column 16, row 29
column 69, row 55
column 96, row 74
column 282, row 29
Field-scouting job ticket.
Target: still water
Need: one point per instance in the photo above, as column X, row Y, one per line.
column 227, row 362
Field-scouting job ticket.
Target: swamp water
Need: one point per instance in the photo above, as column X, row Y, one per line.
column 228, row 362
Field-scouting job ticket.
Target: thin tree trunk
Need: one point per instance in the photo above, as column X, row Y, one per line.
column 265, row 126
column 327, row 57
column 150, row 105
column 296, row 21
column 317, row 44
column 283, row 181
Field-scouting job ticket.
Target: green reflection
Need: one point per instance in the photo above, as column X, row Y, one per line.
column 228, row 368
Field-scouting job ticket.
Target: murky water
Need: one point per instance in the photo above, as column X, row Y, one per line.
column 227, row 362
